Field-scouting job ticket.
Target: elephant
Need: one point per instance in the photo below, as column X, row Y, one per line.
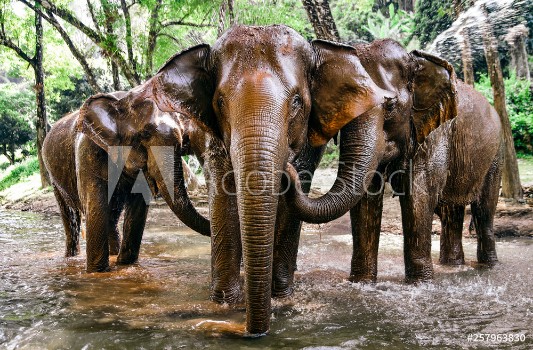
column 435, row 139
column 249, row 93
column 94, row 176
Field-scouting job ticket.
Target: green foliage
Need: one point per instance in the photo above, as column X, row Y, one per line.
column 20, row 172
column 17, row 100
column 266, row 12
column 14, row 133
column 519, row 103
column 399, row 25
column 70, row 99
column 350, row 17
column 432, row 18
column 330, row 158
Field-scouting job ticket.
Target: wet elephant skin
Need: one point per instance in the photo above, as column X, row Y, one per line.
column 435, row 139
column 250, row 93
column 76, row 153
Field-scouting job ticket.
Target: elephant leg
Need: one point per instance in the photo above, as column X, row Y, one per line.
column 226, row 249
column 417, row 215
column 134, row 222
column 451, row 245
column 71, row 222
column 117, row 205
column 366, row 225
column 483, row 210
column 285, row 251
column 288, row 228
column 97, row 221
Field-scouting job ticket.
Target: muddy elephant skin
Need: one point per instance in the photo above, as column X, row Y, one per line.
column 251, row 93
column 435, row 139
column 146, row 159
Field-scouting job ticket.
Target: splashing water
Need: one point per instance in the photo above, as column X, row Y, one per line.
column 48, row 301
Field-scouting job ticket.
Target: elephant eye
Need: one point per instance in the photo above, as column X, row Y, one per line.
column 297, row 102
column 145, row 134
column 220, row 102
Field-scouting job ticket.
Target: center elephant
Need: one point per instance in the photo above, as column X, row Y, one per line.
column 250, row 93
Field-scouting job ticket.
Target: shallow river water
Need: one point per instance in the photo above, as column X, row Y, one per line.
column 49, row 302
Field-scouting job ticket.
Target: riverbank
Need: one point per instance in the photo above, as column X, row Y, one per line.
column 511, row 219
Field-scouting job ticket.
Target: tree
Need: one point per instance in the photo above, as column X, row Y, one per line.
column 131, row 50
column 511, row 187
column 320, row 16
column 466, row 55
column 35, row 60
column 14, row 133
column 432, row 18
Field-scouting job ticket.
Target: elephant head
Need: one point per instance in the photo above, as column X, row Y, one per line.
column 252, row 90
column 152, row 140
column 421, row 95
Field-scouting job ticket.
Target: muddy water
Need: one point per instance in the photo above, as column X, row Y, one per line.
column 47, row 301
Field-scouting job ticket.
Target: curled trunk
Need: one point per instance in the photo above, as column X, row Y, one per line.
column 361, row 148
column 169, row 173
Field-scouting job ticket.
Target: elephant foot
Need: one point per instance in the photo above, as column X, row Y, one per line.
column 72, row 252
column 232, row 296
column 488, row 258
column 362, row 278
column 126, row 259
column 419, row 273
column 97, row 268
column 451, row 261
column 280, row 293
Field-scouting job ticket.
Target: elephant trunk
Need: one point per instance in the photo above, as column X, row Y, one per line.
column 167, row 170
column 361, row 148
column 258, row 160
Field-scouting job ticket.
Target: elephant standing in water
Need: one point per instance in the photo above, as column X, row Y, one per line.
column 93, row 178
column 250, row 92
column 436, row 140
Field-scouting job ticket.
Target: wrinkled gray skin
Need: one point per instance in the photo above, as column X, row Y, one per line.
column 439, row 163
column 76, row 153
column 251, row 93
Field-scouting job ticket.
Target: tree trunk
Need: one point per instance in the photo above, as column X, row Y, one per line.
column 231, row 13
column 42, row 121
column 320, row 16
column 466, row 54
column 110, row 18
column 129, row 40
column 221, row 18
column 516, row 38
column 152, row 38
column 511, row 187
column 406, row 5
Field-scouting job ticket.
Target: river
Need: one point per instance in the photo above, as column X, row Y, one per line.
column 47, row 301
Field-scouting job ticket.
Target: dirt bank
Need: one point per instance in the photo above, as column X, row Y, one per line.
column 510, row 220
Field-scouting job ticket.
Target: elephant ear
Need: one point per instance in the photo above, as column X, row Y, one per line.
column 185, row 85
column 341, row 90
column 434, row 93
column 98, row 120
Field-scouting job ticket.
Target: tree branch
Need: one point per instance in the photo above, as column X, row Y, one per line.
column 50, row 18
column 112, row 52
column 93, row 16
column 7, row 42
column 183, row 23
column 129, row 41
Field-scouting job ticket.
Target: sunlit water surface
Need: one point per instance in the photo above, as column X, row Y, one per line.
column 47, row 301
